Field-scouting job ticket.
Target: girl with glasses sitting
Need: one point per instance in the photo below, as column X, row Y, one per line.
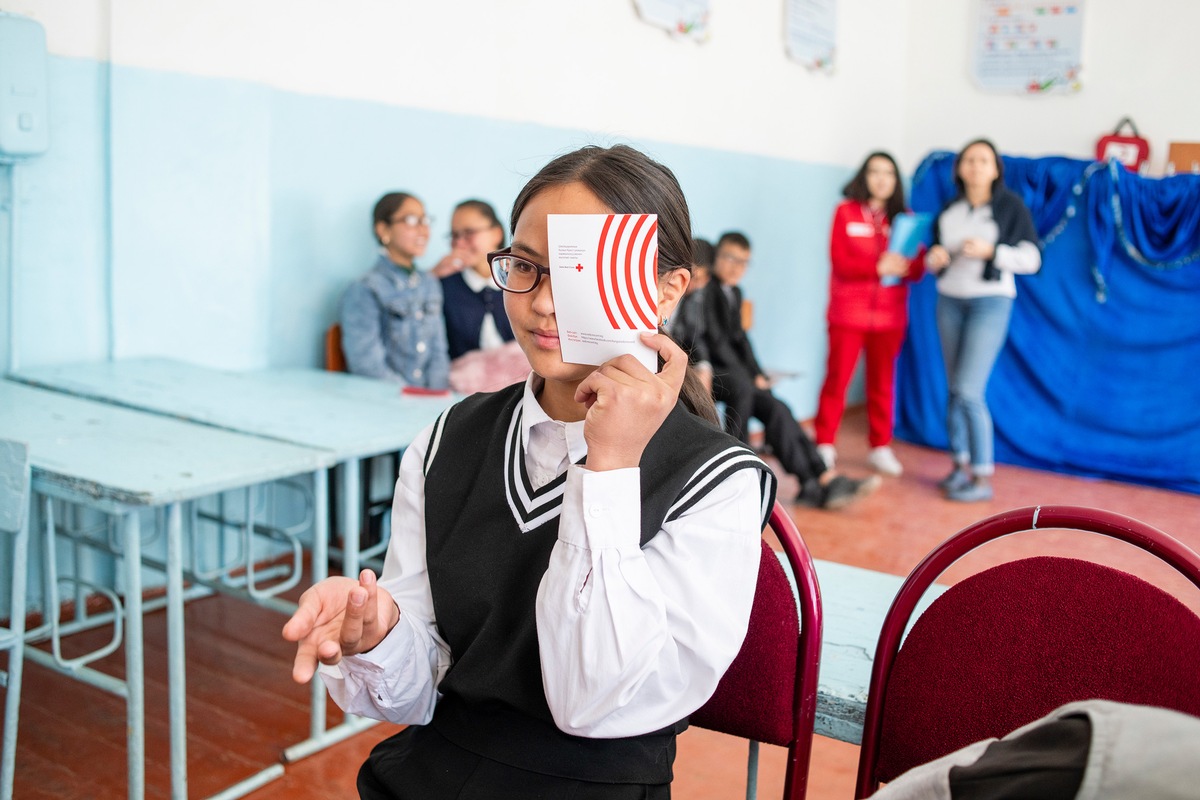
column 392, row 325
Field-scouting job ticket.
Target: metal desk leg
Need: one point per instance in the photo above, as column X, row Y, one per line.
column 351, row 516
column 320, row 571
column 176, row 671
column 135, row 706
column 319, row 738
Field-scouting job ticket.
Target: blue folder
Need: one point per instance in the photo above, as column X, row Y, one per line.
column 910, row 230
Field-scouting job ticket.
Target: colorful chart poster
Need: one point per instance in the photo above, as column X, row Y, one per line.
column 684, row 18
column 1029, row 45
column 811, row 30
column 604, row 271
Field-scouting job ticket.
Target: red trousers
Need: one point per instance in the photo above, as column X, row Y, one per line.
column 844, row 346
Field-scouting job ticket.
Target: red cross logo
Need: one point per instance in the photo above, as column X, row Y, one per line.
column 579, row 267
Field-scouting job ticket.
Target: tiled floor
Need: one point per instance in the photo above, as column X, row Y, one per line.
column 243, row 710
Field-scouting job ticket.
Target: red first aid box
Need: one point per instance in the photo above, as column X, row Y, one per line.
column 1131, row 150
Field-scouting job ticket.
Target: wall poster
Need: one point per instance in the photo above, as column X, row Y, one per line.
column 1029, row 45
column 810, row 28
column 683, row 18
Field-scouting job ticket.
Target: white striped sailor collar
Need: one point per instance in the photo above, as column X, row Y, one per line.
column 533, row 415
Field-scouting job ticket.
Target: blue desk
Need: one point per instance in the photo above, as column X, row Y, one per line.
column 344, row 416
column 854, row 601
column 119, row 461
column 349, row 416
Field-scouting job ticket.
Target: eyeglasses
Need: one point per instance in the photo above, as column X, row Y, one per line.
column 735, row 260
column 466, row 233
column 413, row 220
column 513, row 273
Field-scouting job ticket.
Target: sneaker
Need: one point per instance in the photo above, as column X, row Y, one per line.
column 842, row 491
column 973, row 492
column 957, row 479
column 828, row 454
column 884, row 461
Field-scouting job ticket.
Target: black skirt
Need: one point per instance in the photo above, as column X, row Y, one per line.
column 420, row 764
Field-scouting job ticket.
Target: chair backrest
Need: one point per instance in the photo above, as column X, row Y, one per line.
column 335, row 359
column 769, row 692
column 1010, row 644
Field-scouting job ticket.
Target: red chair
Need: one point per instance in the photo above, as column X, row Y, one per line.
column 335, row 359
column 1012, row 643
column 769, row 692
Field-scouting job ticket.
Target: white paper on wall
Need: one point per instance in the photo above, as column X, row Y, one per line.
column 683, row 18
column 1030, row 46
column 811, row 31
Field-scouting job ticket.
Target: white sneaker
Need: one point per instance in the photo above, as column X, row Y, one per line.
column 828, row 454
column 884, row 461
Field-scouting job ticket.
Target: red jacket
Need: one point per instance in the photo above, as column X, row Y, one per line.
column 857, row 299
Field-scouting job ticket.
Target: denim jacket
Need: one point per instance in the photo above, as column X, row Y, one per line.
column 392, row 327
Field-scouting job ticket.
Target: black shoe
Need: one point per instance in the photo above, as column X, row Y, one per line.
column 811, row 495
column 842, row 491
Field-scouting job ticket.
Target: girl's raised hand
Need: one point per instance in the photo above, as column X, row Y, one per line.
column 627, row 404
column 338, row 617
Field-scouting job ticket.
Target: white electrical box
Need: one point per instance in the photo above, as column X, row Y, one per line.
column 24, row 107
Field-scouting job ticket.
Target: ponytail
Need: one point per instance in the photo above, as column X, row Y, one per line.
column 698, row 399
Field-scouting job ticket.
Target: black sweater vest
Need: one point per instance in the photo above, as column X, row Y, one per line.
column 489, row 534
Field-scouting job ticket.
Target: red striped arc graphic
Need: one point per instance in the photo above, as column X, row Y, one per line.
column 615, row 280
column 600, row 271
column 615, row 294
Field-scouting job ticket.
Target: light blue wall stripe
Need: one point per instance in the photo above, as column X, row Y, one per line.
column 239, row 213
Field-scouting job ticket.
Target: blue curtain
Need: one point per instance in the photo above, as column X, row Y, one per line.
column 1101, row 372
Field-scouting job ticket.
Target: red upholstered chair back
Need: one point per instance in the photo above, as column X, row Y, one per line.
column 769, row 693
column 335, row 359
column 1010, row 644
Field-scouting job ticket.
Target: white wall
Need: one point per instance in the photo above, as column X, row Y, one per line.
column 579, row 64
column 1139, row 60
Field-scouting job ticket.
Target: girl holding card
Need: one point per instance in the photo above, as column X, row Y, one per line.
column 573, row 558
column 868, row 307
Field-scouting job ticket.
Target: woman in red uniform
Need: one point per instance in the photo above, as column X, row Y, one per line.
column 868, row 307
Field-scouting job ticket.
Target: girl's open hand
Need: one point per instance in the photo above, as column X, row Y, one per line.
column 338, row 617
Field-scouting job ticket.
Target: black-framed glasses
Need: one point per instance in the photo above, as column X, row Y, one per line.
column 413, row 220
column 513, row 273
column 466, row 233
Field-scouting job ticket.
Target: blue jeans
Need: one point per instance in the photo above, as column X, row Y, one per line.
column 972, row 331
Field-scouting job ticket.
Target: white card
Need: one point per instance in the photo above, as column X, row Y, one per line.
column 604, row 271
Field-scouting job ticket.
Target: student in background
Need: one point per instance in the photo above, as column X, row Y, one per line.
column 868, row 308
column 573, row 559
column 740, row 383
column 686, row 325
column 392, row 326
column 473, row 308
column 982, row 238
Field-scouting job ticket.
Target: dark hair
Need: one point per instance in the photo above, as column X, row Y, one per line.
column 857, row 189
column 733, row 237
column 703, row 253
column 958, row 182
column 630, row 182
column 489, row 213
column 387, row 206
